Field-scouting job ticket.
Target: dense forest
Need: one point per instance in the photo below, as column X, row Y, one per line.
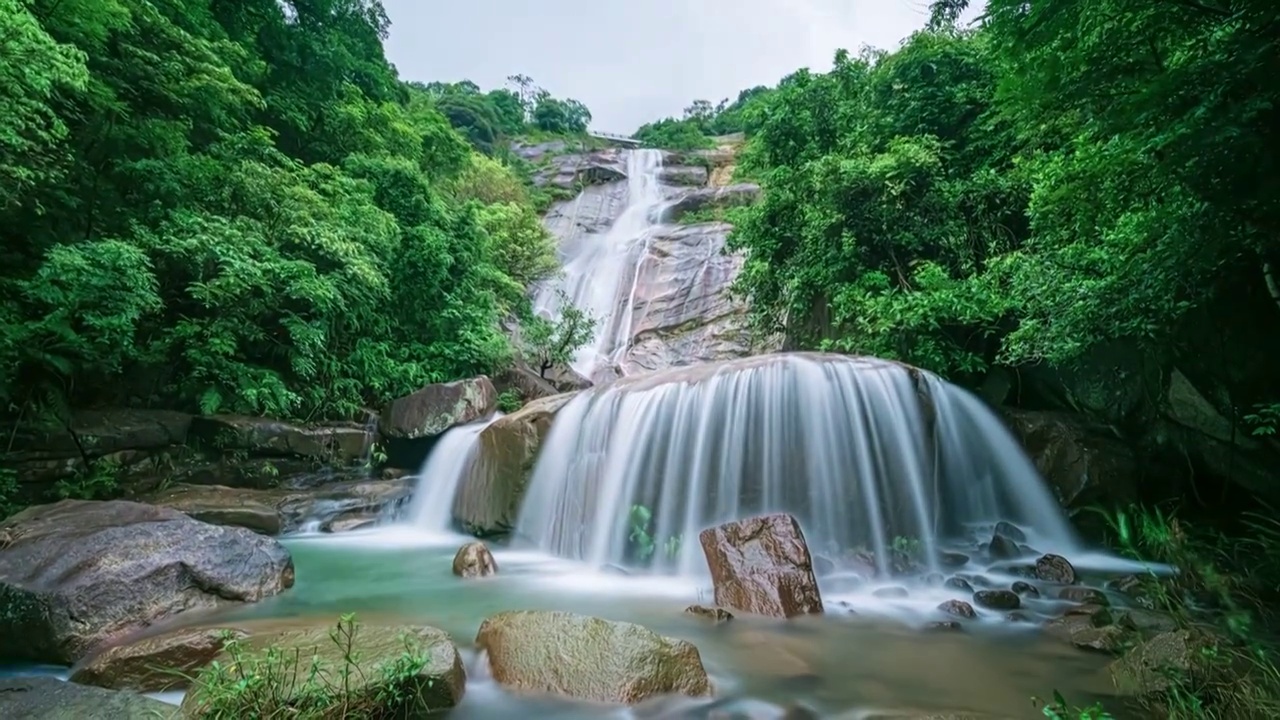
column 237, row 206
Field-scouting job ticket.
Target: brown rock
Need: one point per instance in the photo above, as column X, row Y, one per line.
column 959, row 608
column 944, row 625
column 997, row 599
column 718, row 615
column 48, row 698
column 958, row 583
column 1084, row 595
column 588, row 658
column 1055, row 568
column 1082, row 462
column 436, row 408
column 474, row 560
column 1088, row 632
column 154, row 663
column 762, row 565
column 488, row 498
column 264, row 437
column 1023, row 588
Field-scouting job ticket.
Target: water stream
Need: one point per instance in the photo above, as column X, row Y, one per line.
column 599, row 268
column 430, row 509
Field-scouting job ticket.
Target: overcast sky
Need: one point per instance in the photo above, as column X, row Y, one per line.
column 632, row 61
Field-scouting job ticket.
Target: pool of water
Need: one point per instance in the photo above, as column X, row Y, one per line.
column 855, row 660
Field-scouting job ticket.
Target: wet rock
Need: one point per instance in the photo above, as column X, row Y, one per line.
column 348, row 524
column 890, row 592
column 489, row 496
column 690, row 175
column 823, row 566
column 1003, row 548
column 1144, row 621
column 438, row 684
column 282, row 509
column 82, row 572
column 1023, row 571
column 436, row 408
column 997, row 599
column 934, row 579
column 1088, row 632
column 1084, row 595
column 761, row 565
column 1156, row 663
column 959, row 608
column 953, row 559
column 958, row 583
column 950, row 625
column 1099, row 615
column 716, row 614
column 220, row 505
column 474, row 560
column 265, row 437
column 588, row 658
column 1010, row 531
column 1055, row 568
column 154, row 663
column 1017, row 617
column 714, row 197
column 46, row 698
column 1083, row 462
column 570, row 171
column 1027, row 589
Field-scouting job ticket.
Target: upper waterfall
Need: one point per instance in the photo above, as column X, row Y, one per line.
column 867, row 453
column 599, row 269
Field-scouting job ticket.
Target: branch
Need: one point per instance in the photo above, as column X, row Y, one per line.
column 1273, row 286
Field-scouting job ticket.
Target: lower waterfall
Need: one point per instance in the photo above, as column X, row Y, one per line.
column 867, row 454
column 431, row 507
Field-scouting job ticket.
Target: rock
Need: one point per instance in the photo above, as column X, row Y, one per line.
column 997, row 599
column 890, row 592
column 1010, row 531
column 959, row 608
column 264, row 437
column 953, row 559
column 1089, row 632
column 154, row 663
column 1083, row 463
column 1002, row 548
column 944, row 625
column 1084, row 595
column 823, row 566
column 488, row 498
column 588, row 658
column 46, row 698
column 436, row 408
column 220, row 505
column 1153, row 665
column 690, row 175
column 761, row 565
column 573, row 170
column 718, row 615
column 714, row 197
column 1023, row 588
column 1055, row 568
column 473, row 561
column 1017, row 617
column 1144, row 621
column 83, row 572
column 348, row 524
column 438, row 685
column 958, row 583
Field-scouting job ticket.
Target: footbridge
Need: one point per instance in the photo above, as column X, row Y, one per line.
column 615, row 138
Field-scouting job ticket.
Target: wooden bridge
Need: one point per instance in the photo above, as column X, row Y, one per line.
column 624, row 140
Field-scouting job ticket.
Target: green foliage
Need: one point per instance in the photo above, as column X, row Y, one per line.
column 239, row 207
column 1021, row 192
column 277, row 683
column 487, row 119
column 510, row 400
column 98, row 481
column 701, row 121
column 643, row 545
column 548, row 343
column 1058, row 709
column 10, row 500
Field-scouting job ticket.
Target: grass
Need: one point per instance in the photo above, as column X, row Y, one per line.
column 277, row 683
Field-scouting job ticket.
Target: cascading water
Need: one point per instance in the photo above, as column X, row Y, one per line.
column 598, row 269
column 431, row 507
column 862, row 451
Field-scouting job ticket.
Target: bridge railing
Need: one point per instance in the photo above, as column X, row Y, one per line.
column 613, row 136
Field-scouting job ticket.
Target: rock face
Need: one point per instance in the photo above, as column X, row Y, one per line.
column 681, row 310
column 589, row 658
column 154, row 663
column 264, row 437
column 762, row 565
column 78, row 573
column 436, row 408
column 1081, row 463
column 572, row 170
column 46, row 698
column 691, row 175
column 438, row 685
column 714, row 197
column 474, row 561
column 488, row 498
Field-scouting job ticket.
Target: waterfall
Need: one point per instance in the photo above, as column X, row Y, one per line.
column 861, row 451
column 431, row 507
column 598, row 270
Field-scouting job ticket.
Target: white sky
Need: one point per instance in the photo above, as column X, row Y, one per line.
column 633, row 61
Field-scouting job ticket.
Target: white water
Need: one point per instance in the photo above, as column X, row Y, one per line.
column 843, row 443
column 431, row 507
column 599, row 269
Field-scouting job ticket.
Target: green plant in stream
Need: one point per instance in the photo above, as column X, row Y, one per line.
column 1058, row 709
column 274, row 683
column 1216, row 594
column 641, row 540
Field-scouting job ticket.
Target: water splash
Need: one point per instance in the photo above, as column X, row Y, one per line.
column 862, row 451
column 599, row 269
column 430, row 509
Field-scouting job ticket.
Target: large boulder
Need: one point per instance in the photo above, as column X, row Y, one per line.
column 76, row 573
column 762, row 565
column 589, row 658
column 436, row 408
column 1082, row 463
column 574, row 170
column 376, row 658
column 713, row 197
column 154, row 663
column 265, row 437
column 474, row 560
column 488, row 498
column 690, row 175
column 46, row 698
